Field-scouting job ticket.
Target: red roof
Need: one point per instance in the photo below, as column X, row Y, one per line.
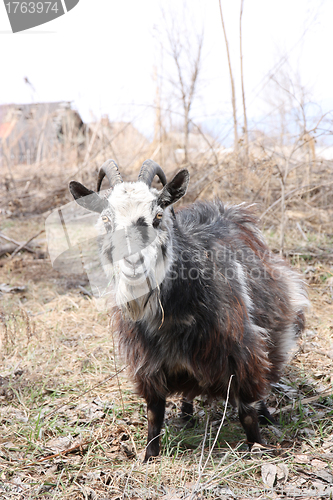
column 6, row 129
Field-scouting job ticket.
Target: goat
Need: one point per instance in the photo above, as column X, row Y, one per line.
column 200, row 297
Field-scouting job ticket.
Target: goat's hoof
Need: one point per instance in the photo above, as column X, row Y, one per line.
column 256, row 449
column 148, row 457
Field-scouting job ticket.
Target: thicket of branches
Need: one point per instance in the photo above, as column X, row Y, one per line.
column 282, row 165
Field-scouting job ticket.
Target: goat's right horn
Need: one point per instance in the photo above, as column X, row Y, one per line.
column 148, row 171
column 111, row 171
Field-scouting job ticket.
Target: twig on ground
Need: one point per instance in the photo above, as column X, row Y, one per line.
column 64, row 452
column 42, row 312
column 7, row 248
column 305, row 401
column 23, row 245
column 16, row 242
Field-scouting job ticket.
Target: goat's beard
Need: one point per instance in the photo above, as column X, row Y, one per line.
column 136, row 298
column 134, row 309
column 133, row 299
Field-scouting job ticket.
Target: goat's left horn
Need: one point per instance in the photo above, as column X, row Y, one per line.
column 111, row 171
column 148, row 171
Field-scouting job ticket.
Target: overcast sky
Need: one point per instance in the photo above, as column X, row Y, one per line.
column 101, row 55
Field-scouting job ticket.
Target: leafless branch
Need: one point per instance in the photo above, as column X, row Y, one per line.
column 246, row 138
column 233, row 95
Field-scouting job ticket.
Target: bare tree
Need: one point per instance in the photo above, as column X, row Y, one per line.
column 293, row 145
column 185, row 49
column 233, row 95
column 158, row 118
column 297, row 107
column 246, row 138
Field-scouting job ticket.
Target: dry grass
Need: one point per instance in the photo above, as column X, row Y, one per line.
column 51, row 360
column 70, row 429
column 67, row 433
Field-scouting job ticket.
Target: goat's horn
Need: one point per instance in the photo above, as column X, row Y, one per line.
column 111, row 171
column 148, row 171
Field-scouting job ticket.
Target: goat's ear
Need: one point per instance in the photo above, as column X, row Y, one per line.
column 175, row 189
column 86, row 198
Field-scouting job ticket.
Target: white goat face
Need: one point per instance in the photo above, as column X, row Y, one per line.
column 134, row 231
column 134, row 225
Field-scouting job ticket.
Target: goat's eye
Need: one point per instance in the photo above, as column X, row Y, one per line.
column 105, row 218
column 157, row 219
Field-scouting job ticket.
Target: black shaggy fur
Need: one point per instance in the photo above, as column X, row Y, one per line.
column 208, row 333
column 227, row 312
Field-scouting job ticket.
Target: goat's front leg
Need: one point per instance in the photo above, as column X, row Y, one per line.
column 155, row 415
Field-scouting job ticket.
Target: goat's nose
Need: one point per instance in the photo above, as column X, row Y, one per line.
column 134, row 260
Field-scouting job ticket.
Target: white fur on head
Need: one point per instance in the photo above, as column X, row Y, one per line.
column 135, row 255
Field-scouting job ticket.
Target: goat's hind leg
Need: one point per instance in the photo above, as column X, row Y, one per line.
column 248, row 416
column 265, row 418
column 187, row 412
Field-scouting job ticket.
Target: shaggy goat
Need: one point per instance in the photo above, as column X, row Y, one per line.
column 200, row 297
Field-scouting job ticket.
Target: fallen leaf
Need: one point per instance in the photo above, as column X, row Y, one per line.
column 318, row 464
column 327, row 445
column 308, row 432
column 268, row 474
column 282, row 472
column 59, row 444
column 325, row 475
column 302, row 459
column 257, row 450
